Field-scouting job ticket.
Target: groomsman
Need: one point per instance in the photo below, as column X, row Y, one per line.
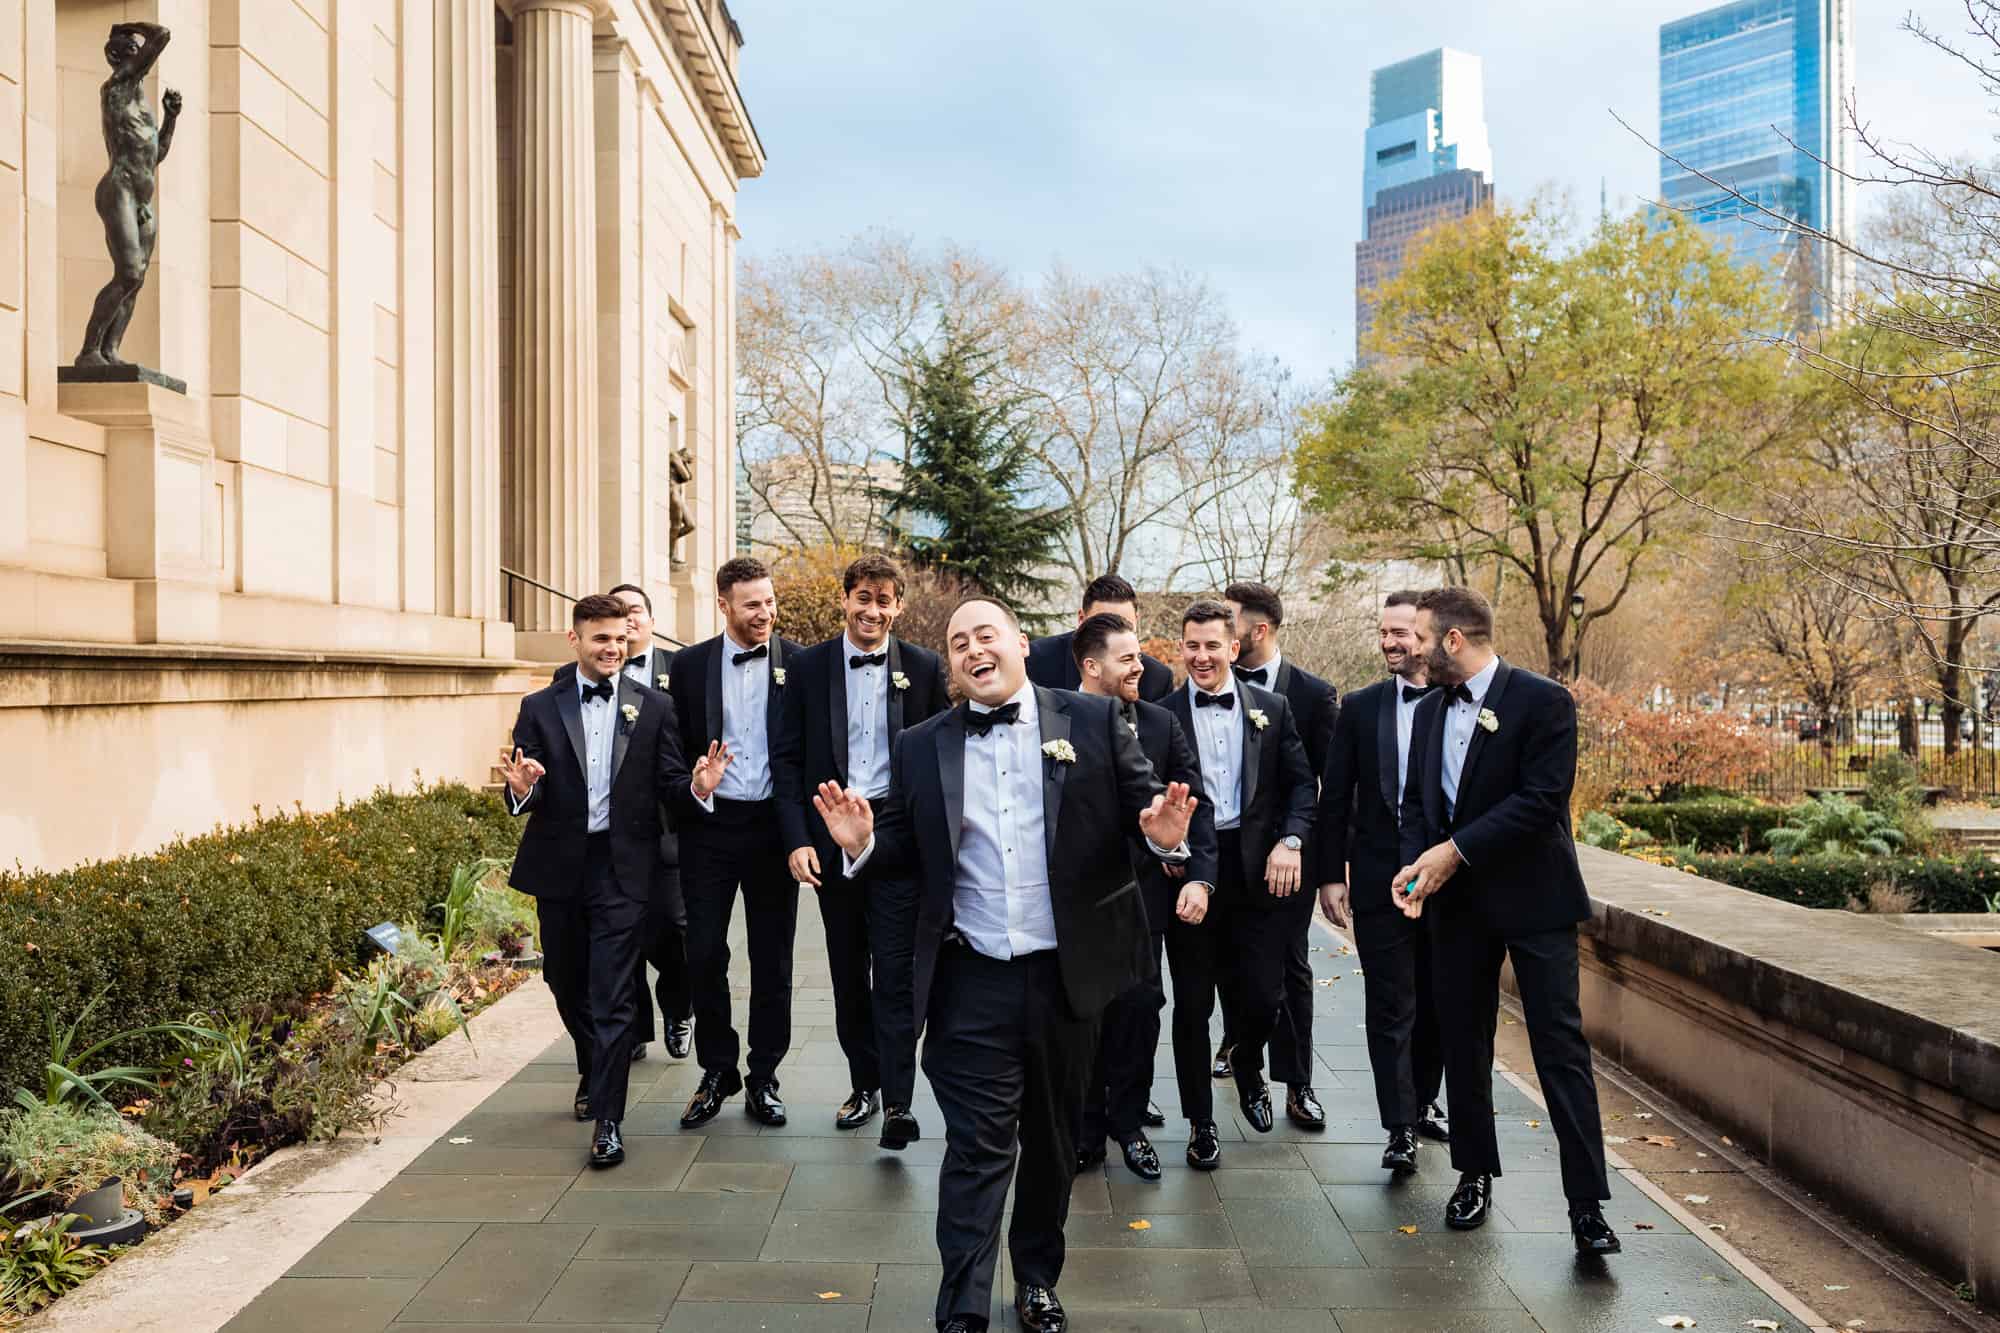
column 1052, row 663
column 847, row 701
column 1485, row 833
column 596, row 757
column 1259, row 783
column 729, row 691
column 1117, row 1101
column 1260, row 614
column 1013, row 812
column 1359, row 846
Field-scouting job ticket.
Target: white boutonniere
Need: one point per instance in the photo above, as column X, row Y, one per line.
column 1488, row 722
column 778, row 675
column 631, row 712
column 1257, row 718
column 1060, row 751
column 899, row 680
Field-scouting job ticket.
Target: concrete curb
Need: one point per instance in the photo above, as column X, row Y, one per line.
column 196, row 1275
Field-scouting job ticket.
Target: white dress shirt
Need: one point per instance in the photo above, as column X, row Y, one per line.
column 1218, row 738
column 1406, row 718
column 600, row 716
column 746, row 689
column 1460, row 718
column 640, row 668
column 1000, row 896
column 867, row 721
column 1270, row 670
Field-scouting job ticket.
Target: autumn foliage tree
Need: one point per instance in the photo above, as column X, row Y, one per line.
column 1624, row 745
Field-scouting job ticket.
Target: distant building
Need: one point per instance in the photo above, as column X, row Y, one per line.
column 793, row 501
column 1425, row 160
column 1751, row 94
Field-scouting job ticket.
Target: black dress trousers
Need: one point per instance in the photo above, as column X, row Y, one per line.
column 1405, row 1051
column 591, row 948
column 892, row 934
column 738, row 849
column 843, row 913
column 1121, row 1080
column 1252, row 957
column 1291, row 1039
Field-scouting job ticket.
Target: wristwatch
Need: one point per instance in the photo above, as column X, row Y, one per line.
column 1291, row 842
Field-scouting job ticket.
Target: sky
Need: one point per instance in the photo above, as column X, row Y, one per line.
column 1225, row 140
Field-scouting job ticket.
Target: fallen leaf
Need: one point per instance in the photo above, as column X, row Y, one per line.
column 1509, row 1022
column 1141, row 1225
column 1533, row 1124
column 1701, row 1154
column 1764, row 1325
column 1718, row 1228
column 1657, row 1140
column 458, row 1141
column 1728, row 1141
column 1614, row 1138
column 1617, row 1115
column 1833, row 1288
column 1642, row 1226
column 1694, row 1198
column 1644, row 1115
column 1407, row 1231
column 1674, row 1321
column 829, row 1295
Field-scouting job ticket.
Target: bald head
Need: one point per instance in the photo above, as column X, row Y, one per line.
column 987, row 651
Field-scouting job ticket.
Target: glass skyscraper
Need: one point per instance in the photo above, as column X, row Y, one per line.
column 1738, row 82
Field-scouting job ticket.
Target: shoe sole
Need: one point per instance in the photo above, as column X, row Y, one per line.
column 598, row 1164
column 1400, row 1168
column 775, row 1122
column 1193, row 1165
column 696, row 1121
column 1466, row 1226
column 1317, row 1126
column 582, row 1115
column 1613, row 1248
column 841, row 1122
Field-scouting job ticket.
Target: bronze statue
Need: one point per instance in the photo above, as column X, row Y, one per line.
column 125, row 195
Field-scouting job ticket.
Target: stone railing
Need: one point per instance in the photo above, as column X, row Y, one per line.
column 1858, row 1057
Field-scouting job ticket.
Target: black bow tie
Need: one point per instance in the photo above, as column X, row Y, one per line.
column 601, row 690
column 1255, row 675
column 761, row 650
column 1412, row 693
column 856, row 661
column 979, row 723
column 1203, row 699
column 1461, row 693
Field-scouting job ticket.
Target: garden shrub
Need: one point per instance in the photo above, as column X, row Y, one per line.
column 1834, row 824
column 232, row 922
column 1714, row 824
column 1935, row 884
column 68, row 1151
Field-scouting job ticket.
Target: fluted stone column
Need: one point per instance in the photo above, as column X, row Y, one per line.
column 553, row 464
column 468, row 315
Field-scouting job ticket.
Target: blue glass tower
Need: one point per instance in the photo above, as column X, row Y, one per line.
column 1751, row 94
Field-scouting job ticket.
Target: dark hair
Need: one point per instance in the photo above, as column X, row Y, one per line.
column 1005, row 609
column 1402, row 597
column 1109, row 588
column 873, row 569
column 597, row 606
column 1094, row 633
column 633, row 587
column 1259, row 599
column 1463, row 609
column 742, row 569
column 1206, row 610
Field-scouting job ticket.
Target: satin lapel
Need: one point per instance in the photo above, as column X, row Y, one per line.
column 895, row 702
column 628, row 695
column 712, row 704
column 570, row 708
column 1477, row 744
column 836, row 708
column 1385, row 741
column 1055, row 727
column 1253, row 744
column 950, row 740
column 774, row 702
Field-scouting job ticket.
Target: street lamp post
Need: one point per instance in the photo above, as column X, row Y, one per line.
column 1576, row 614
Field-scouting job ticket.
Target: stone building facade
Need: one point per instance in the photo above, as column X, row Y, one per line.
column 451, row 286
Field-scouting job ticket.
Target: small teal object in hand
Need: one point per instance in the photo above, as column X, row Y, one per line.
column 1409, row 888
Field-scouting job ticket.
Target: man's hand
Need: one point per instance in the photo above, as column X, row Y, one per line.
column 522, row 773
column 848, row 817
column 708, row 769
column 1334, row 904
column 1281, row 871
column 1165, row 821
column 804, row 865
column 1424, row 878
column 1192, row 905
column 170, row 102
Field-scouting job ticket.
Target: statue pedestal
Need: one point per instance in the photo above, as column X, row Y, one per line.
column 126, row 373
column 162, row 518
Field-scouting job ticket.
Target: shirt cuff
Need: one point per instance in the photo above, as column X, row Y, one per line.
column 515, row 806
column 850, row 864
column 1172, row 858
column 705, row 802
column 1456, row 852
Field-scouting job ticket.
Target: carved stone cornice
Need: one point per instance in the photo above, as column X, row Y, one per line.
column 700, row 49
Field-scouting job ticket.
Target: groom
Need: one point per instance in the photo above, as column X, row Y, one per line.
column 1012, row 812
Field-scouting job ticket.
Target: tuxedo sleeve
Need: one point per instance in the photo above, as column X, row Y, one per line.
column 1416, row 834
column 1130, row 770
column 788, row 758
column 893, row 847
column 1323, row 728
column 1184, row 765
column 528, row 740
column 1295, row 770
column 1336, row 801
column 675, row 781
column 1539, row 801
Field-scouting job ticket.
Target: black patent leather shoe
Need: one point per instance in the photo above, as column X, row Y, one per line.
column 1040, row 1310
column 678, row 1037
column 899, row 1128
column 1470, row 1203
column 1256, row 1103
column 1140, row 1158
column 1592, row 1233
column 960, row 1324
column 1089, row 1156
column 1434, row 1125
column 763, row 1104
column 1204, row 1150
column 1401, row 1154
column 581, row 1108
column 856, row 1111
column 1303, row 1108
column 606, row 1147
column 640, row 1050
column 716, row 1087
column 1222, row 1068
column 1153, row 1119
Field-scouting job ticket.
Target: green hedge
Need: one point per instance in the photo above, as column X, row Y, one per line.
column 1714, row 824
column 1940, row 884
column 231, row 922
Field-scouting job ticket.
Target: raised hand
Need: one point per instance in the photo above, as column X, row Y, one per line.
column 1165, row 821
column 522, row 772
column 804, row 865
column 849, row 818
column 708, row 769
column 1281, row 871
column 170, row 102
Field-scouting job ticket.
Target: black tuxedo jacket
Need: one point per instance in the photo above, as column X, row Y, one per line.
column 670, row 841
column 811, row 746
column 1089, row 810
column 697, row 695
column 1315, row 706
column 1052, row 666
column 647, row 774
column 1356, row 834
column 1173, row 758
column 662, row 667
column 1511, row 821
column 1278, row 787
